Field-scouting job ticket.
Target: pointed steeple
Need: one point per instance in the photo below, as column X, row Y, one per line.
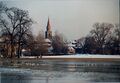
column 48, row 33
column 48, row 25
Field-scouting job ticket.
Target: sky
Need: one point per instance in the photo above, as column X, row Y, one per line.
column 73, row 18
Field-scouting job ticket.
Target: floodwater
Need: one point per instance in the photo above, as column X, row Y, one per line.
column 54, row 71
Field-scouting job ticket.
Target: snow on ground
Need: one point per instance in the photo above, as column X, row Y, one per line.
column 84, row 56
column 78, row 56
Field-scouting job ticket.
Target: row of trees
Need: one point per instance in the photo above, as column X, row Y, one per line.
column 59, row 44
column 15, row 35
column 39, row 46
column 104, row 38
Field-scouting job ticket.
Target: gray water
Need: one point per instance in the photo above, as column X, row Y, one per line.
column 51, row 71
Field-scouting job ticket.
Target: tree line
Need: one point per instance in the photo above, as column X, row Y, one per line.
column 104, row 38
column 16, row 34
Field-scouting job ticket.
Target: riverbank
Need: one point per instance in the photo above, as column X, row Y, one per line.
column 85, row 58
column 88, row 58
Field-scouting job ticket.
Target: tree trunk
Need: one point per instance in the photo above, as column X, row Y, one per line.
column 11, row 48
column 18, row 54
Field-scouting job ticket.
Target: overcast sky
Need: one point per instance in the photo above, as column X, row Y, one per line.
column 73, row 18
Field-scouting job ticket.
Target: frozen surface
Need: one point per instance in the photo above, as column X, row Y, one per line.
column 63, row 72
column 56, row 71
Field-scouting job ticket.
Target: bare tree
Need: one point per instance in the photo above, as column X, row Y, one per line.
column 80, row 44
column 29, row 41
column 101, row 33
column 23, row 29
column 90, row 45
column 2, row 7
column 117, row 31
column 115, row 40
column 59, row 44
column 40, row 47
column 16, row 23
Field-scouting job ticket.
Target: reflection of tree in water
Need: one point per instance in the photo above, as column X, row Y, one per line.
column 103, row 72
column 72, row 67
column 115, row 69
column 96, row 71
column 13, row 63
column 14, row 78
column 93, row 71
column 97, row 67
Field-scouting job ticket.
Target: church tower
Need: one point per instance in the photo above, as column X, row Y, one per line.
column 48, row 32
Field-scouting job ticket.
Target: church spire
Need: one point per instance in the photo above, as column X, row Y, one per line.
column 48, row 33
column 48, row 25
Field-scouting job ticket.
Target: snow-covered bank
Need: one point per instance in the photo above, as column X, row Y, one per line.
column 78, row 56
column 84, row 56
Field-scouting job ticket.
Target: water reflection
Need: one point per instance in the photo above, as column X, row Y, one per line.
column 72, row 67
column 60, row 72
column 13, row 78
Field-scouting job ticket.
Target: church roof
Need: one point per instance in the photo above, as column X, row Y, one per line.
column 47, row 40
column 48, row 25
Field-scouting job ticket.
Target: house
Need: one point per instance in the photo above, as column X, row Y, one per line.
column 71, row 47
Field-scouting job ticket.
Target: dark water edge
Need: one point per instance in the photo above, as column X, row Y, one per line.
column 54, row 71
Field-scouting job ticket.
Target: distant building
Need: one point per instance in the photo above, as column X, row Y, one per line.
column 71, row 50
column 48, row 32
column 48, row 37
column 48, row 43
column 48, row 40
column 45, row 45
column 71, row 47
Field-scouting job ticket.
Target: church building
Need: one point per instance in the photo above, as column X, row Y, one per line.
column 48, row 37
column 48, row 32
column 48, row 40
